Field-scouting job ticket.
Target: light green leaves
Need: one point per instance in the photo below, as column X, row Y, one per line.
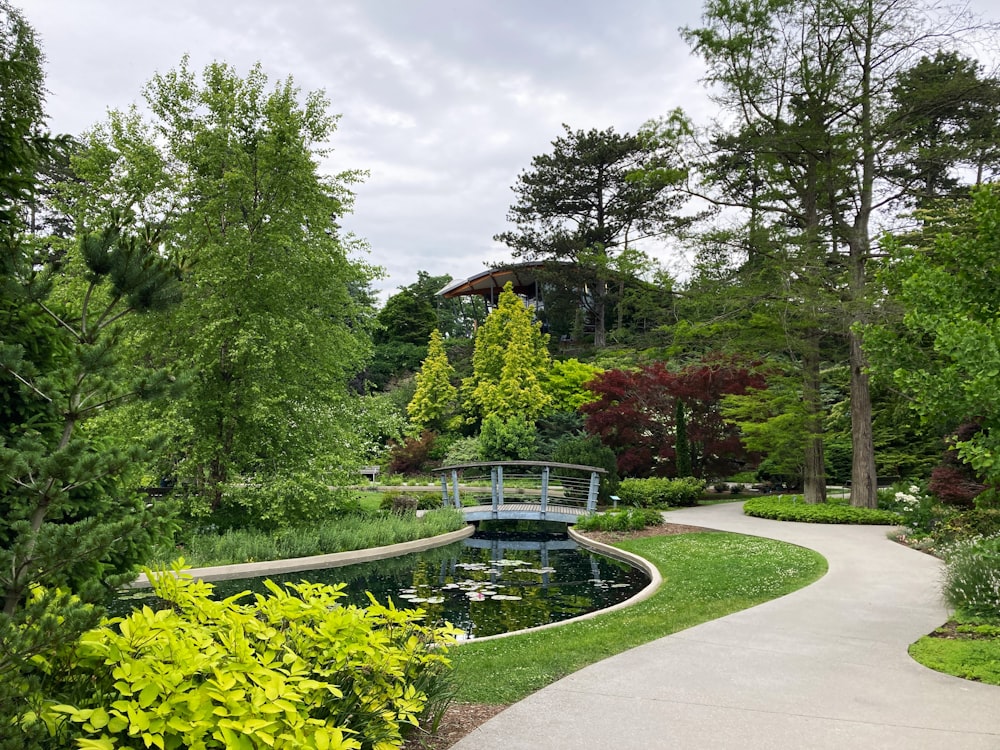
column 509, row 364
column 295, row 669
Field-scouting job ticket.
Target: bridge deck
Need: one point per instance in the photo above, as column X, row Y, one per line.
column 524, row 512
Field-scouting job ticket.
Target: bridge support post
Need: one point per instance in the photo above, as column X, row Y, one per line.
column 444, row 491
column 545, row 490
column 454, row 489
column 497, row 475
column 494, row 497
column 595, row 484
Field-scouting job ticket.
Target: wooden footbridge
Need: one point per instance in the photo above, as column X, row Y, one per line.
column 521, row 490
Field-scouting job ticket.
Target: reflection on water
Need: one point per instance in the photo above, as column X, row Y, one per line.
column 490, row 583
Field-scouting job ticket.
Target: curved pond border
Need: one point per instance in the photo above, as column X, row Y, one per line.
column 331, row 560
column 339, row 559
column 655, row 580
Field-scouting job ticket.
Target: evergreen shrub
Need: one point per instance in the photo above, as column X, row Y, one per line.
column 511, row 439
column 590, row 451
column 656, row 492
column 793, row 508
column 464, row 450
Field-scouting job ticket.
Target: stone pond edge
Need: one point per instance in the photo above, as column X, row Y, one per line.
column 655, row 580
column 314, row 562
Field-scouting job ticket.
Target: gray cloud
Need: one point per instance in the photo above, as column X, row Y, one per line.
column 444, row 102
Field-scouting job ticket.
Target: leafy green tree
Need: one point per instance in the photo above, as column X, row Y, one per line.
column 455, row 317
column 275, row 317
column 509, row 363
column 584, row 202
column 402, row 329
column 434, row 401
column 72, row 526
column 407, row 319
column 773, row 423
column 810, row 83
column 946, row 357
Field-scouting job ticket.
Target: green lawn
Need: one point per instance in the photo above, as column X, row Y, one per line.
column 965, row 647
column 706, row 575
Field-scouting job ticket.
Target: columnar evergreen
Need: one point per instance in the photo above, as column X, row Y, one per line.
column 509, row 363
column 435, row 398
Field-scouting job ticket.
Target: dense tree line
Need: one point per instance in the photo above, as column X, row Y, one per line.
column 841, row 119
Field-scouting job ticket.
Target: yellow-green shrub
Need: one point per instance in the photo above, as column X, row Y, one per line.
column 295, row 669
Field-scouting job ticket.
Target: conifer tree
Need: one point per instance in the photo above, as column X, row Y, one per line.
column 71, row 528
column 434, row 400
column 509, row 363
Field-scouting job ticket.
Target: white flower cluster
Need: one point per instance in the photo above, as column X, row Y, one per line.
column 909, row 499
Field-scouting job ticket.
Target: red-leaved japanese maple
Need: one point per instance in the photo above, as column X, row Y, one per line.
column 635, row 415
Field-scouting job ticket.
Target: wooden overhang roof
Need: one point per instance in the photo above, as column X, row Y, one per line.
column 490, row 282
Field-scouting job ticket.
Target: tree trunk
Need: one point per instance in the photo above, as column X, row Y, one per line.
column 864, row 478
column 600, row 302
column 814, row 479
column 682, row 446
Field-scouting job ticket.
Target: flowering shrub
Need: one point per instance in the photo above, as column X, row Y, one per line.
column 917, row 510
column 972, row 576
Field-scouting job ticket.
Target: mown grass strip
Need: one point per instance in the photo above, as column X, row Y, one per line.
column 706, row 575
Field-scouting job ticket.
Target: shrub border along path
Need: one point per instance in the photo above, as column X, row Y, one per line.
column 794, row 508
column 824, row 667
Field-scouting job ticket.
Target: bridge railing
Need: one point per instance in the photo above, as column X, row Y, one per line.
column 509, row 483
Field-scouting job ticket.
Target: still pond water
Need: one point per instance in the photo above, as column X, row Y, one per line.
column 493, row 582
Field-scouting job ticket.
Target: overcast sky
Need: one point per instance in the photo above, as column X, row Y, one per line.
column 444, row 102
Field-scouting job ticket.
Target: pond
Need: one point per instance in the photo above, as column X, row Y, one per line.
column 493, row 582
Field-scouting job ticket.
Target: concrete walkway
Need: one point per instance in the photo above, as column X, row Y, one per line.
column 824, row 667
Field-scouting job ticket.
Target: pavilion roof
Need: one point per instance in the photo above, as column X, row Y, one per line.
column 490, row 282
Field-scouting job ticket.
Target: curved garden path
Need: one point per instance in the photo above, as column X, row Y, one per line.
column 824, row 667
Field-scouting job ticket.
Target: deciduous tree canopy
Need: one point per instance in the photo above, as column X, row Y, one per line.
column 635, row 414
column 274, row 320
